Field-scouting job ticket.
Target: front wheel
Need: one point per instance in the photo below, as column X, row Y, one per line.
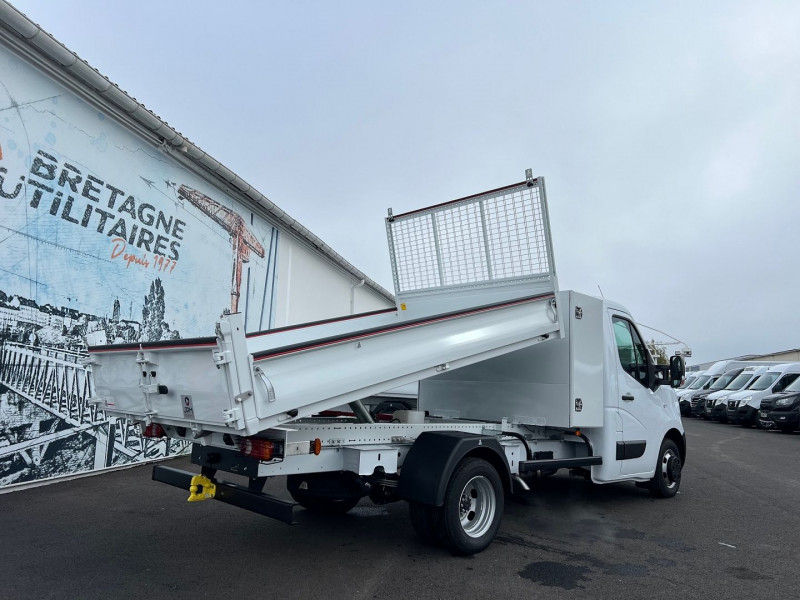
column 667, row 479
column 473, row 507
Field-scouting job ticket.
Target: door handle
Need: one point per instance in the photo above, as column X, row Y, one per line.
column 628, row 397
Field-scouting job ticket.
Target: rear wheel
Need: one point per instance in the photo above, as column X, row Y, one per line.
column 473, row 507
column 667, row 479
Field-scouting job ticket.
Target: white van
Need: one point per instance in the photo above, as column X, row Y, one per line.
column 689, row 380
column 743, row 406
column 716, row 403
column 689, row 401
column 702, row 382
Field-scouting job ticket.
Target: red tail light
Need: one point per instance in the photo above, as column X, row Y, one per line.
column 257, row 448
column 154, row 430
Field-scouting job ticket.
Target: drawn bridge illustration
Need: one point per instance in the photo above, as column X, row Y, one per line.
column 55, row 380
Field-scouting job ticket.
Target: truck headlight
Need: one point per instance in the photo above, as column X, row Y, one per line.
column 745, row 400
column 784, row 402
column 721, row 400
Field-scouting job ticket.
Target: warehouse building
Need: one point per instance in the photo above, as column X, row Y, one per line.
column 111, row 221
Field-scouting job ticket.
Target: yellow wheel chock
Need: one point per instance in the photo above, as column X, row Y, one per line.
column 201, row 488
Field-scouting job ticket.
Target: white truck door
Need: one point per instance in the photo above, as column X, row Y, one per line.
column 638, row 405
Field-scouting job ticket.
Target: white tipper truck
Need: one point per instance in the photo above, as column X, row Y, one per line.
column 516, row 378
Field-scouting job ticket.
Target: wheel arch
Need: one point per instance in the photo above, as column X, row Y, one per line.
column 498, row 461
column 680, row 441
column 434, row 457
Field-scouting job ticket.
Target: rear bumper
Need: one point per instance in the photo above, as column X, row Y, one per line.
column 232, row 493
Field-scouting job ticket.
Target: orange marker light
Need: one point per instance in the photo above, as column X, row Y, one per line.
column 316, row 446
column 257, row 448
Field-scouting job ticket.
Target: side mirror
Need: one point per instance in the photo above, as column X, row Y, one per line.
column 677, row 369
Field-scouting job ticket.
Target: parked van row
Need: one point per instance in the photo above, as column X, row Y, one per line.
column 746, row 393
column 720, row 376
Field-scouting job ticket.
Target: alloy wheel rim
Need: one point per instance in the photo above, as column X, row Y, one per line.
column 671, row 469
column 477, row 506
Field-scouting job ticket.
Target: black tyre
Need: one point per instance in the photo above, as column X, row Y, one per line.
column 667, row 479
column 425, row 521
column 324, row 493
column 473, row 507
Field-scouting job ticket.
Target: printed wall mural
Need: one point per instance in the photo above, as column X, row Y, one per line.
column 101, row 231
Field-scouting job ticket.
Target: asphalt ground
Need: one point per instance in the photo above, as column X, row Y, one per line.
column 732, row 532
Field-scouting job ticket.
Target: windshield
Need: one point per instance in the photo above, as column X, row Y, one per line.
column 698, row 383
column 722, row 382
column 688, row 382
column 763, row 382
column 739, row 382
column 793, row 387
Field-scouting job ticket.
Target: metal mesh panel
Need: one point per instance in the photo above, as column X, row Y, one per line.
column 415, row 260
column 499, row 236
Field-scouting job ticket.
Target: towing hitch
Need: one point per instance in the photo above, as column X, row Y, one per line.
column 201, row 488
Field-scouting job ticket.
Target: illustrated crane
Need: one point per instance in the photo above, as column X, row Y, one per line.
column 242, row 240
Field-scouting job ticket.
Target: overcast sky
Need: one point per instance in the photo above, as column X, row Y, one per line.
column 668, row 132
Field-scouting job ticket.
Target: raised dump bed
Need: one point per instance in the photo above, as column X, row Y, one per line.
column 474, row 279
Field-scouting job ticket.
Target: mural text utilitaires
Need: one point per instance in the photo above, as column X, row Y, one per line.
column 127, row 220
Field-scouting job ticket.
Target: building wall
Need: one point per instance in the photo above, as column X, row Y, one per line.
column 102, row 230
column 303, row 274
column 786, row 356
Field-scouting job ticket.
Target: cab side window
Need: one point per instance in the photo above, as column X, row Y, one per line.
column 785, row 381
column 632, row 352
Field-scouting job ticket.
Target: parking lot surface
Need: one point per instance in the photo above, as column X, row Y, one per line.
column 732, row 532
